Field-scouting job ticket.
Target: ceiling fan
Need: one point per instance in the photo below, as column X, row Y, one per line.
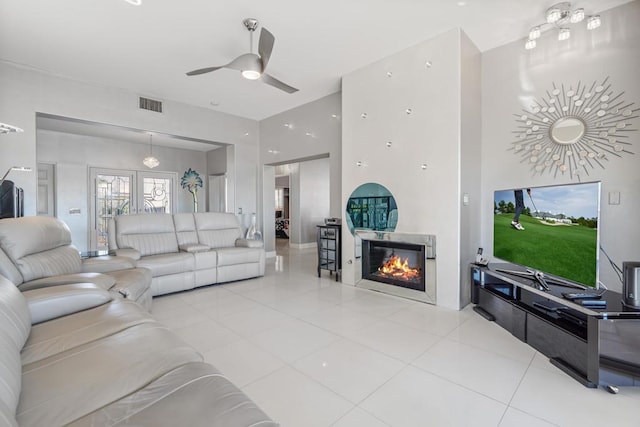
column 251, row 65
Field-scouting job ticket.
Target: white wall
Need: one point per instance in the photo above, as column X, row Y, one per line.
column 283, row 145
column 314, row 198
column 26, row 92
column 428, row 199
column 513, row 77
column 470, row 151
column 222, row 161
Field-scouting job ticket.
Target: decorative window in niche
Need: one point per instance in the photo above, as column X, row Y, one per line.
column 574, row 129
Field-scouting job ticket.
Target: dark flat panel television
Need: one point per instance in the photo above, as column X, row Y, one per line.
column 551, row 229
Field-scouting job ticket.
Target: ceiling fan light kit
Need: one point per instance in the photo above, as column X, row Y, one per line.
column 252, row 66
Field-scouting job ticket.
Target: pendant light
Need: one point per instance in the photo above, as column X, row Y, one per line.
column 150, row 161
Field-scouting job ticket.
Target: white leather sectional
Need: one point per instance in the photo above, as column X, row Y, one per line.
column 79, row 355
column 185, row 251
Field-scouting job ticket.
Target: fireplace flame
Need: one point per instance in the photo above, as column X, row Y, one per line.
column 399, row 269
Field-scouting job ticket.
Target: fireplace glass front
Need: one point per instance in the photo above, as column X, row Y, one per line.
column 395, row 263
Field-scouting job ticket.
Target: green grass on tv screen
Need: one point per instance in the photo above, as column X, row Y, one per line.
column 567, row 251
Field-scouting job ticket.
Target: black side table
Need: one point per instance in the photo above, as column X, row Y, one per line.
column 329, row 253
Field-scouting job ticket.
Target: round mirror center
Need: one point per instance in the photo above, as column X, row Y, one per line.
column 371, row 207
column 567, row 130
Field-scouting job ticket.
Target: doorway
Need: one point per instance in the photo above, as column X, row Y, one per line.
column 125, row 192
column 308, row 198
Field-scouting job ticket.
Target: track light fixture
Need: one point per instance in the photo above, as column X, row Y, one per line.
column 558, row 17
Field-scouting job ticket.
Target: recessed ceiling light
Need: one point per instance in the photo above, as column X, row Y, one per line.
column 134, row 2
column 214, row 104
column 462, row 3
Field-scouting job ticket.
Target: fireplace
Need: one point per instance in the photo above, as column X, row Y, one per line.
column 401, row 264
column 395, row 263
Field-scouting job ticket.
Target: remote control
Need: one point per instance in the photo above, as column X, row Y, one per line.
column 595, row 303
column 580, row 295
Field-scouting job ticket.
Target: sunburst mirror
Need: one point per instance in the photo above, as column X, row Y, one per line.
column 574, row 129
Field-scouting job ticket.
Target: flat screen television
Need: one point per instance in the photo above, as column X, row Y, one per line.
column 555, row 233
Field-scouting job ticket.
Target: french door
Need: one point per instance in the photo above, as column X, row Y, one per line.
column 125, row 192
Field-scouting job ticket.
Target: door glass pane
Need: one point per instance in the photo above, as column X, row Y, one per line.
column 157, row 195
column 113, row 197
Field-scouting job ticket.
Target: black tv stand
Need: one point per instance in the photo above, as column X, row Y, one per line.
column 597, row 346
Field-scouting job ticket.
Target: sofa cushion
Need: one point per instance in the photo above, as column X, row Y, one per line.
column 15, row 324
column 150, row 234
column 232, row 256
column 198, row 389
column 53, row 262
column 106, row 264
column 64, row 333
column 216, row 229
column 20, row 237
column 205, row 260
column 162, row 265
column 64, row 387
column 57, row 301
column 104, row 281
column 185, row 228
column 9, row 270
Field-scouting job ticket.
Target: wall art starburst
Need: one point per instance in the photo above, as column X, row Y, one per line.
column 574, row 129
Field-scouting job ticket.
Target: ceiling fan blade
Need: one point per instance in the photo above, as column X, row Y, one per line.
column 265, row 46
column 248, row 61
column 202, row 71
column 277, row 83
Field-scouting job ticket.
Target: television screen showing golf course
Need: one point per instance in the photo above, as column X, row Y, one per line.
column 550, row 229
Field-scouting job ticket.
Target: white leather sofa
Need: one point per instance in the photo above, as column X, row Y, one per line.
column 79, row 355
column 185, row 251
column 36, row 252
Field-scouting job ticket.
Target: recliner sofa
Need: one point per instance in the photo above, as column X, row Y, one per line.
column 185, row 251
column 79, row 355
column 36, row 252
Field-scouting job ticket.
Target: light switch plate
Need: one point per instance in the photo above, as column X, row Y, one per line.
column 614, row 197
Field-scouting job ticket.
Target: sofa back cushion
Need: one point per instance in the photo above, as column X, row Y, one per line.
column 16, row 325
column 149, row 234
column 217, row 229
column 185, row 229
column 8, row 269
column 54, row 262
column 38, row 247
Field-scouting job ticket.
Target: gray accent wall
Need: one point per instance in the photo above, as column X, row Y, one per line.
column 513, row 77
column 434, row 132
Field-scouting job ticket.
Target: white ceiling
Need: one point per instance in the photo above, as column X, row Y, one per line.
column 148, row 49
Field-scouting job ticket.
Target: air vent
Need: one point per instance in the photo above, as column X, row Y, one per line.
column 151, row 105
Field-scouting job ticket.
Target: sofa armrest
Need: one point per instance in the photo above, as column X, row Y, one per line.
column 53, row 302
column 249, row 243
column 105, row 264
column 128, row 252
column 194, row 247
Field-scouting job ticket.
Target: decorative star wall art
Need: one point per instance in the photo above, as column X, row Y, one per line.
column 574, row 129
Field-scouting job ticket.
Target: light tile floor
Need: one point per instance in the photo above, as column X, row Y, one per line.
column 313, row 352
